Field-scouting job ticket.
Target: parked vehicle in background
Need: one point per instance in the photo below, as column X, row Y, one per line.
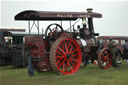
column 12, row 47
column 119, row 41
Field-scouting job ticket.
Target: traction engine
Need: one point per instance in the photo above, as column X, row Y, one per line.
column 64, row 51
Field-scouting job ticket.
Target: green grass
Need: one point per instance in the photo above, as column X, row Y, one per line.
column 90, row 75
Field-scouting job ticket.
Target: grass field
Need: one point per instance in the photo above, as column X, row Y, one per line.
column 90, row 75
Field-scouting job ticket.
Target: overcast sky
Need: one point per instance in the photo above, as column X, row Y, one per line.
column 113, row 22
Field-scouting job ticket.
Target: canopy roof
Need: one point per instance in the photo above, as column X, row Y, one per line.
column 113, row 37
column 11, row 29
column 17, row 33
column 49, row 15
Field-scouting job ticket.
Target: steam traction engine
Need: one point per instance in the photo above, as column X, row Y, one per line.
column 64, row 50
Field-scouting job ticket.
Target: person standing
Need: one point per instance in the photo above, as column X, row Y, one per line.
column 118, row 54
column 111, row 47
column 125, row 51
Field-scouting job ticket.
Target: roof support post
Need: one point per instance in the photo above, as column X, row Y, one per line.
column 31, row 26
column 61, row 23
column 70, row 25
column 38, row 26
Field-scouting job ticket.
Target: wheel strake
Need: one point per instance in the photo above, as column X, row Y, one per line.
column 65, row 56
column 104, row 59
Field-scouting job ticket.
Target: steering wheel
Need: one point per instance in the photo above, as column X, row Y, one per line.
column 51, row 31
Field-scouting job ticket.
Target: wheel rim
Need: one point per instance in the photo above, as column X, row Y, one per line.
column 105, row 59
column 67, row 56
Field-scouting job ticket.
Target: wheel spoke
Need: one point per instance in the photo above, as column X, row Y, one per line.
column 74, row 51
column 66, row 66
column 62, row 46
column 59, row 60
column 66, row 46
column 59, row 53
column 69, row 44
column 61, row 50
column 61, row 63
column 71, row 49
column 75, row 60
column 50, row 29
column 70, row 66
column 71, row 63
column 59, row 56
column 63, row 67
column 73, row 55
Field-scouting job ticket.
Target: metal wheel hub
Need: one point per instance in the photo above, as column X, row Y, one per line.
column 105, row 58
column 68, row 56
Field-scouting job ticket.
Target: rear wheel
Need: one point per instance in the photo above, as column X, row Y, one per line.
column 104, row 59
column 65, row 56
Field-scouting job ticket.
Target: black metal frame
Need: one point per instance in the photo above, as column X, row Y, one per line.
column 35, row 23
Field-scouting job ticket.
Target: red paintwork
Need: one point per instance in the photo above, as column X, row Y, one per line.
column 70, row 64
column 37, row 46
column 106, row 59
column 43, row 64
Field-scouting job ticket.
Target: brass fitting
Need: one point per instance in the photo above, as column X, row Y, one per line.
column 89, row 10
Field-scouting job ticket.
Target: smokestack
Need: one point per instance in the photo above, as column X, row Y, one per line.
column 90, row 23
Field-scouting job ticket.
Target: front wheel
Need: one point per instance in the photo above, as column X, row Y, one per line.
column 65, row 56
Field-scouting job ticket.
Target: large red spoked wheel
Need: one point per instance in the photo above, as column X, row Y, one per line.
column 104, row 59
column 65, row 56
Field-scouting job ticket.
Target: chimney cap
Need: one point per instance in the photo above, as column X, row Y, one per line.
column 90, row 10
